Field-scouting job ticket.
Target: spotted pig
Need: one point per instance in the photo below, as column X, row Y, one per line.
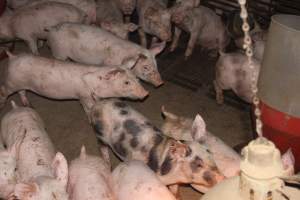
column 132, row 137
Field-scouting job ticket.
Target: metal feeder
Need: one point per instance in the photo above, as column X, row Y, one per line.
column 279, row 84
column 261, row 168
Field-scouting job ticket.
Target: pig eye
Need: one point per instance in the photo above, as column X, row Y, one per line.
column 127, row 82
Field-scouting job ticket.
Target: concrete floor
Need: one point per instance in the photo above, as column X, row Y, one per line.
column 69, row 129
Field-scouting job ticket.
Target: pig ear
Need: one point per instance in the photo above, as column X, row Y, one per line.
column 24, row 190
column 157, row 48
column 288, row 161
column 130, row 63
column 178, row 150
column 114, row 73
column 83, row 153
column 60, row 167
column 131, row 27
column 167, row 115
column 198, row 128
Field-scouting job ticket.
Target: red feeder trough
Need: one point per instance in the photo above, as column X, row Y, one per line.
column 279, row 84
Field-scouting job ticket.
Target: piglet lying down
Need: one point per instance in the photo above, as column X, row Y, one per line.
column 66, row 80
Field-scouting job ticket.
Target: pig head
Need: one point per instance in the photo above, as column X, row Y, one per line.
column 46, row 188
column 126, row 6
column 227, row 160
column 157, row 22
column 179, row 9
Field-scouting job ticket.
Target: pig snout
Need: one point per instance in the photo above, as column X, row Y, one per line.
column 127, row 10
column 213, row 177
column 177, row 18
column 142, row 93
column 156, row 80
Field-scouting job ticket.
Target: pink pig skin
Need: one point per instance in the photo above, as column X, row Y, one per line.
column 205, row 27
column 110, row 18
column 66, row 80
column 126, row 6
column 233, row 72
column 41, row 174
column 90, row 178
column 136, row 181
column 154, row 19
column 30, row 23
column 226, row 159
column 8, row 167
column 92, row 45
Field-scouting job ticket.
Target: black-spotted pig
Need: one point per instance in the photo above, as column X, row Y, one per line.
column 93, row 45
column 205, row 28
column 67, row 80
column 132, row 137
column 154, row 19
column 31, row 23
column 41, row 173
column 227, row 160
column 110, row 18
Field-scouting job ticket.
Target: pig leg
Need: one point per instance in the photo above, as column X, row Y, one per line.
column 191, row 44
column 174, row 189
column 142, row 37
column 219, row 93
column 32, row 43
column 176, row 37
column 24, row 99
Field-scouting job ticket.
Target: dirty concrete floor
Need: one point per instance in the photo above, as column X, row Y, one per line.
column 69, row 129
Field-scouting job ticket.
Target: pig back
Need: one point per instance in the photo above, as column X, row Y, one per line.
column 41, row 16
column 132, row 180
column 36, row 151
column 91, row 45
column 90, row 178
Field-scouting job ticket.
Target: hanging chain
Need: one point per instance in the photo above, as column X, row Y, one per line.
column 249, row 53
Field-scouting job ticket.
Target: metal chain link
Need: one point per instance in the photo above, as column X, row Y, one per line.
column 249, row 53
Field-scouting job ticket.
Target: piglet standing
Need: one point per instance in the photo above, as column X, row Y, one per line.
column 66, row 80
column 8, row 167
column 233, row 72
column 132, row 137
column 110, row 18
column 136, row 181
column 92, row 45
column 154, row 19
column 41, row 173
column 205, row 27
column 31, row 22
column 90, row 178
